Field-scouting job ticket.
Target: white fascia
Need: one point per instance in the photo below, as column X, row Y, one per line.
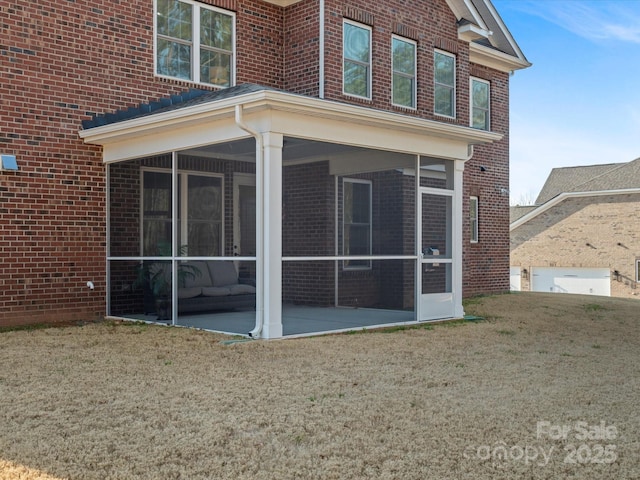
column 565, row 196
column 492, row 58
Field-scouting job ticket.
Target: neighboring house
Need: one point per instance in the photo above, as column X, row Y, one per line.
column 151, row 138
column 582, row 235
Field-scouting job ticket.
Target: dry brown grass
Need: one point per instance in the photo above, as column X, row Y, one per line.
column 117, row 401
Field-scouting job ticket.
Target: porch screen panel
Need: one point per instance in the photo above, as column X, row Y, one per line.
column 436, row 226
column 157, row 214
column 247, row 219
column 204, row 216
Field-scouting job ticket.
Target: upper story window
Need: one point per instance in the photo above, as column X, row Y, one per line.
column 356, row 225
column 404, row 72
column 480, row 115
column 473, row 218
column 356, row 54
column 195, row 42
column 445, row 84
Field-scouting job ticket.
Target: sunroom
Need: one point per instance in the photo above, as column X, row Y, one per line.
column 254, row 211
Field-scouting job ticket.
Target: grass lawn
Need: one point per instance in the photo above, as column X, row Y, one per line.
column 546, row 387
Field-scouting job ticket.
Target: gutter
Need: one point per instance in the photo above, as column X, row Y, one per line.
column 564, row 196
column 321, row 47
column 255, row 333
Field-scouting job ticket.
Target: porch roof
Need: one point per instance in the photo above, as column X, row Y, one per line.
column 209, row 118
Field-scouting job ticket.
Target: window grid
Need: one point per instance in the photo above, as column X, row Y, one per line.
column 480, row 99
column 356, row 59
column 445, row 81
column 404, row 61
column 195, row 42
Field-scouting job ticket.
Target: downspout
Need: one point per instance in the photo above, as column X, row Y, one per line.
column 255, row 333
column 321, row 47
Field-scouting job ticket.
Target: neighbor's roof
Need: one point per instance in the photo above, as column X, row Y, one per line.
column 567, row 179
column 570, row 182
column 519, row 211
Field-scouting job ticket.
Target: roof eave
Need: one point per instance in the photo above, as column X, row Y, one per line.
column 564, row 196
column 284, row 101
column 495, row 59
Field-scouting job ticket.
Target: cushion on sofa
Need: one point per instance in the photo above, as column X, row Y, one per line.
column 215, row 291
column 189, row 292
column 241, row 289
column 196, row 274
column 223, row 273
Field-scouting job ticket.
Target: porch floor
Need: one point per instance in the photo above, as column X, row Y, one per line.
column 298, row 320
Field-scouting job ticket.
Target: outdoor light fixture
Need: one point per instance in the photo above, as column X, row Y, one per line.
column 483, row 168
column 8, row 162
column 525, row 274
column 616, row 274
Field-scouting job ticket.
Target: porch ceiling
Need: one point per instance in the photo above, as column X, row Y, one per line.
column 294, row 149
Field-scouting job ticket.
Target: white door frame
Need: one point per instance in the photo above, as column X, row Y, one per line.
column 443, row 305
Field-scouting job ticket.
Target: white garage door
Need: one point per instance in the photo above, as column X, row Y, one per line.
column 586, row 281
column 514, row 278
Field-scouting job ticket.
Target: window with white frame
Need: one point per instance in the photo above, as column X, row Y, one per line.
column 480, row 102
column 445, row 84
column 356, row 221
column 356, row 53
column 195, row 42
column 404, row 72
column 200, row 207
column 473, row 218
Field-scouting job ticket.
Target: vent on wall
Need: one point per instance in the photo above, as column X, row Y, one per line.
column 8, row 162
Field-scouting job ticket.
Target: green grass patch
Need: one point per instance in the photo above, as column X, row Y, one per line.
column 593, row 307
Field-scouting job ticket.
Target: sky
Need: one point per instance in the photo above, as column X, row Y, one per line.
column 579, row 104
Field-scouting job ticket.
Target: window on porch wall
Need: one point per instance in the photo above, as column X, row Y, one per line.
column 356, row 221
column 359, row 214
column 199, row 214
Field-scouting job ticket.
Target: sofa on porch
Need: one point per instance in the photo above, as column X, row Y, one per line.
column 203, row 286
column 215, row 286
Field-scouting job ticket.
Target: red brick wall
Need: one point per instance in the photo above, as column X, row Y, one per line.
column 62, row 62
column 302, row 48
column 485, row 265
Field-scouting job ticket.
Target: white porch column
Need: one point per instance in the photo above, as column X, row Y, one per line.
column 458, row 237
column 272, row 234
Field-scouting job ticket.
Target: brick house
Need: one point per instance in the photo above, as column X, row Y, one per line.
column 336, row 154
column 581, row 236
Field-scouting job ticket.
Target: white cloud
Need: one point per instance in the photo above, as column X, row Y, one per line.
column 594, row 20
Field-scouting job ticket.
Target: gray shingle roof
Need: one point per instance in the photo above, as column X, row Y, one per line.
column 566, row 179
column 182, row 100
column 519, row 211
column 623, row 176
